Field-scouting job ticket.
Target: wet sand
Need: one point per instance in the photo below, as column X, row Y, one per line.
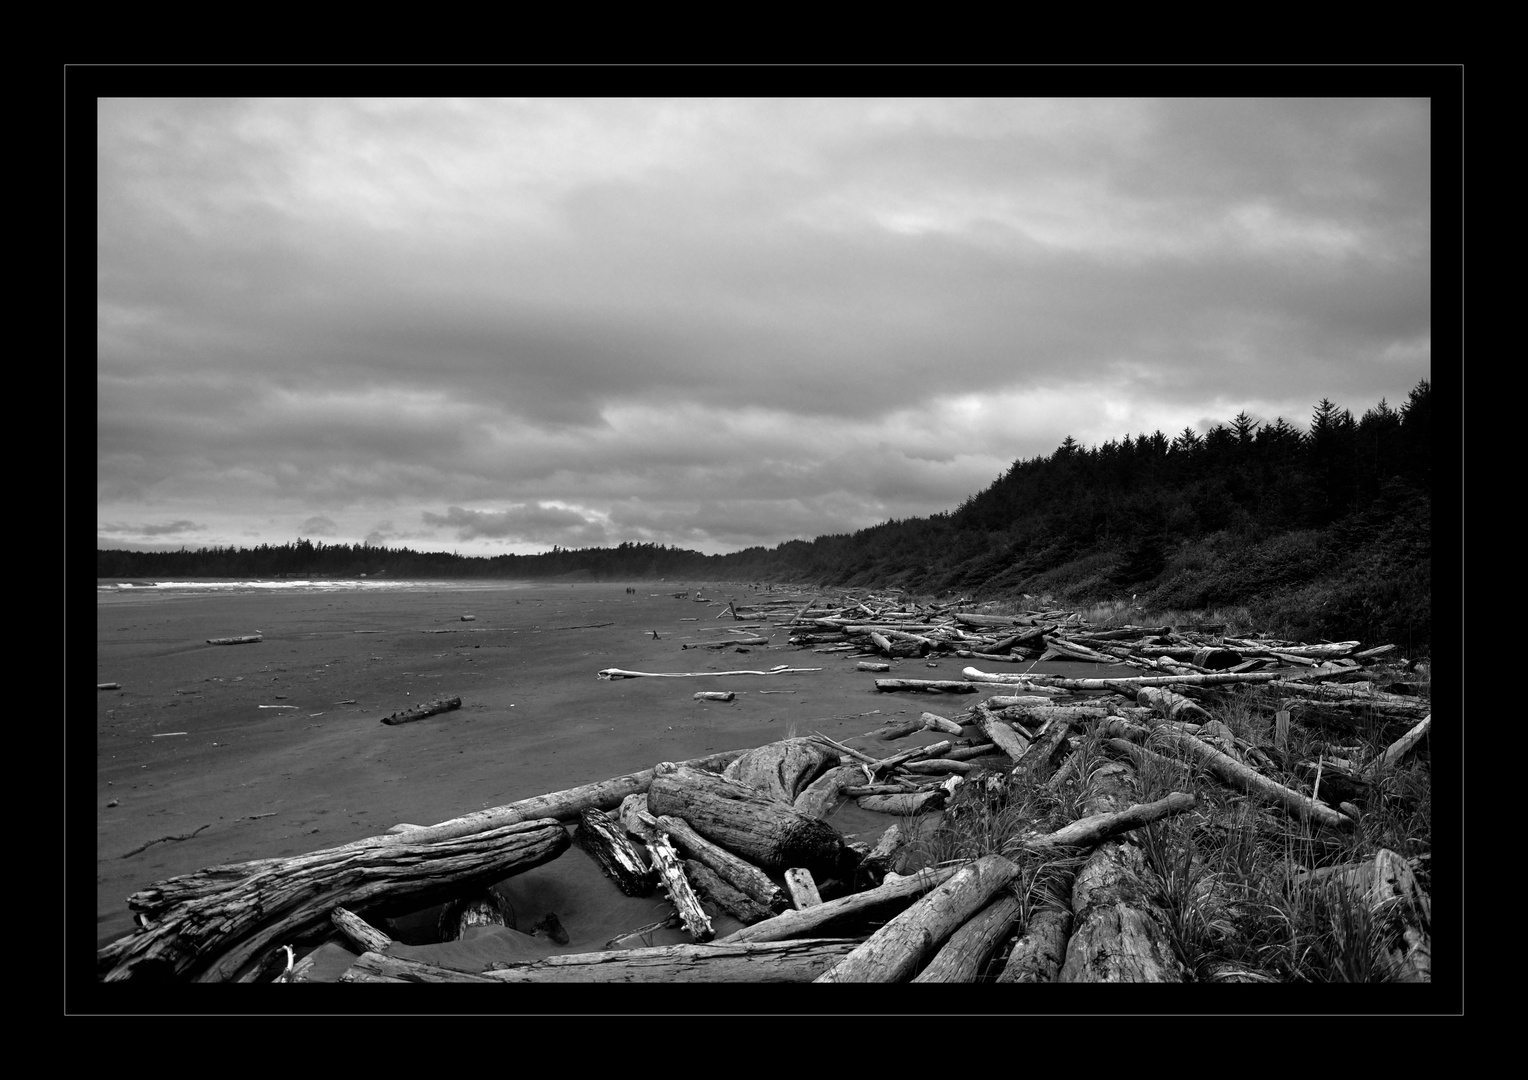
column 185, row 749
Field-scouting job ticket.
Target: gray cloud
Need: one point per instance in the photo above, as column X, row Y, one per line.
column 737, row 314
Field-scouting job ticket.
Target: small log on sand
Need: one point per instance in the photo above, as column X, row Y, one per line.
column 606, row 842
column 871, row 665
column 419, row 712
column 725, row 643
column 895, row 951
column 1041, row 949
column 714, row 695
column 795, row 924
column 248, row 639
column 744, row 821
column 930, row 686
column 108, row 686
column 618, row 673
column 965, row 955
column 221, row 920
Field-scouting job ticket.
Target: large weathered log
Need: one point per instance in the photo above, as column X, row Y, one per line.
column 603, row 839
column 966, row 954
column 223, row 918
column 419, row 712
column 563, row 805
column 794, row 924
column 1253, row 782
column 895, row 951
column 742, row 820
column 1040, row 951
column 1119, row 934
column 716, row 962
column 248, row 639
column 782, row 770
column 1172, row 706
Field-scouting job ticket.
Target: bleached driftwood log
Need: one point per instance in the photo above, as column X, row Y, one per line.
column 1034, row 766
column 819, row 798
column 744, row 821
column 1122, row 685
column 1170, row 705
column 709, row 885
column 1040, row 951
column 795, row 924
column 932, row 686
column 781, row 770
column 618, row 673
column 803, row 890
column 210, row 926
column 361, row 934
column 895, row 951
column 1007, row 739
column 670, row 871
column 1401, row 747
column 800, row 960
column 247, row 639
column 1255, row 783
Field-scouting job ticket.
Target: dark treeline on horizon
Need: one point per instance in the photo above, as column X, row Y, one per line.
column 1347, row 503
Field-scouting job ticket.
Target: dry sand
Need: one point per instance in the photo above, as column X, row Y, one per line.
column 185, row 748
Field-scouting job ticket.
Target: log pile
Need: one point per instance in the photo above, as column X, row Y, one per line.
column 747, row 833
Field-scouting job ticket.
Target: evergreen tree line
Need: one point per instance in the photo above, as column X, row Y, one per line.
column 1326, row 529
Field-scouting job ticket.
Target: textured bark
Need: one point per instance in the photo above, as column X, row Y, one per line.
column 249, row 639
column 1035, row 766
column 210, row 926
column 965, row 955
column 895, row 951
column 606, row 842
column 1007, row 739
column 795, row 924
column 734, row 816
column 709, row 885
column 1040, row 951
column 740, row 874
column 770, row 962
column 419, row 712
column 1118, row 933
column 362, row 936
column 802, row 888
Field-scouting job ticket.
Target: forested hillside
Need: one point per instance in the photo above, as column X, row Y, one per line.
column 1324, row 532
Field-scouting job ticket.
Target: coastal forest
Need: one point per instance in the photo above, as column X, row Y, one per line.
column 1321, row 532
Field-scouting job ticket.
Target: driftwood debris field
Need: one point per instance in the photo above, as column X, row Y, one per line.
column 1054, row 829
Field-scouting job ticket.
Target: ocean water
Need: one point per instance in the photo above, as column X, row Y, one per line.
column 114, row 587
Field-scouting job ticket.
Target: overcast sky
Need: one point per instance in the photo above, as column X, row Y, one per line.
column 497, row 325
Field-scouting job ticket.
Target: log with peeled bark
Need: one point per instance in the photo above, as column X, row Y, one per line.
column 935, row 722
column 1119, row 933
column 1033, row 682
column 714, row 962
column 1040, row 951
column 1253, row 782
column 795, row 924
column 671, row 876
column 1007, row 739
column 213, row 925
column 965, row 955
column 419, row 712
column 735, row 816
column 895, row 952
column 606, row 842
column 930, row 686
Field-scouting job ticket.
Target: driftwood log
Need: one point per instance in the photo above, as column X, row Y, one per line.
column 606, row 842
column 782, row 770
column 895, row 951
column 965, row 955
column 419, row 712
column 1253, row 782
column 932, row 686
column 1040, row 951
column 738, row 873
column 795, row 924
column 737, row 817
column 669, row 868
column 709, row 885
column 212, row 925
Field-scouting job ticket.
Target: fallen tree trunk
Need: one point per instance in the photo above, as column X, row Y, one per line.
column 1007, row 739
column 600, row 836
column 248, row 639
column 744, row 821
column 741, row 875
column 976, row 675
column 223, row 918
column 618, row 673
column 363, row 936
column 669, row 868
column 1040, row 951
column 709, row 884
column 419, row 712
column 895, row 951
column 1096, row 828
column 794, row 924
